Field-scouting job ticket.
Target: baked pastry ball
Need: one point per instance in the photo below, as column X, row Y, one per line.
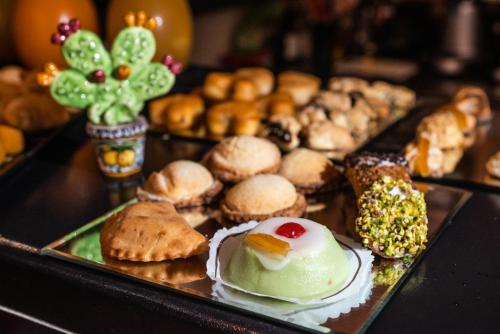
column 309, row 171
column 347, row 84
column 283, row 130
column 474, row 100
column 328, row 138
column 442, row 130
column 237, row 158
column 261, row 197
column 244, row 90
column 301, row 86
column 493, row 165
column 217, row 85
column 182, row 183
column 233, row 117
column 379, row 100
column 177, row 112
column 280, row 103
column 359, row 117
column 262, row 78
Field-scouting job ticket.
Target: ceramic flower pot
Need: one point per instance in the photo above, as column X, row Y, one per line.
column 119, row 148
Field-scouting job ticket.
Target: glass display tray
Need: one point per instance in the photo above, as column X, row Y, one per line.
column 188, row 277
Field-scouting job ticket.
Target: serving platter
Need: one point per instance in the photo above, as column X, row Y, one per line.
column 188, row 277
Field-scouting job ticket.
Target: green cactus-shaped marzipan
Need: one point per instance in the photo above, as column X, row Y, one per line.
column 94, row 80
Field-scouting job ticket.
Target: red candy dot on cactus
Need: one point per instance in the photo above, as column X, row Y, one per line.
column 176, row 68
column 98, row 76
column 64, row 28
column 57, row 38
column 74, row 24
column 291, row 230
column 167, row 60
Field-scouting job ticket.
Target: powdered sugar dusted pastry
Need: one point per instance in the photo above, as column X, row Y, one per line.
column 347, row 84
column 301, row 86
column 261, row 197
column 442, row 130
column 329, row 138
column 474, row 100
column 283, row 130
column 493, row 165
column 237, row 158
column 309, row 171
column 150, row 231
column 183, row 183
column 424, row 161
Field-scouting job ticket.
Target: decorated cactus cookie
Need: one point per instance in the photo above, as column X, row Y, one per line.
column 112, row 86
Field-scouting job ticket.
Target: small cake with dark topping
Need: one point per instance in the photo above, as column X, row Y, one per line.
column 363, row 169
column 392, row 219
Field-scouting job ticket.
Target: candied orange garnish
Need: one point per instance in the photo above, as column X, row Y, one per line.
column 423, row 156
column 267, row 243
column 460, row 117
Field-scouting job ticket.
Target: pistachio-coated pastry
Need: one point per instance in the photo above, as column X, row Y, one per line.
column 392, row 219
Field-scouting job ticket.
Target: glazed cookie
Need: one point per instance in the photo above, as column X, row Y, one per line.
column 237, row 158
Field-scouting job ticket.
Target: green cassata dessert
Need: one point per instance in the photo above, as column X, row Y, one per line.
column 289, row 258
column 111, row 86
column 392, row 219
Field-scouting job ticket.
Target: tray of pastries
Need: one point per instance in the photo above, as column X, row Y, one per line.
column 459, row 141
column 29, row 117
column 291, row 109
column 287, row 238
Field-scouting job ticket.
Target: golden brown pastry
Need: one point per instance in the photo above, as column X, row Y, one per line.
column 473, row 100
column 150, row 231
column 233, row 117
column 309, row 171
column 493, row 165
column 11, row 140
column 451, row 158
column 237, row 158
column 280, row 103
column 328, row 138
column 177, row 112
column 33, row 112
column 13, row 75
column 182, row 183
column 301, row 86
column 399, row 96
column 178, row 271
column 261, row 197
column 363, row 169
column 282, row 130
column 244, row 90
column 218, row 85
column 424, row 160
column 262, row 78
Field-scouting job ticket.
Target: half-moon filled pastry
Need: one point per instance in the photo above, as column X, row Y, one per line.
column 178, row 271
column 309, row 171
column 283, row 130
column 182, row 183
column 244, row 90
column 363, row 169
column 150, row 231
column 233, row 117
column 237, row 158
column 261, row 197
column 301, row 86
column 177, row 112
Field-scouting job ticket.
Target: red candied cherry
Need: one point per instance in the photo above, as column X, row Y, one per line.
column 291, row 230
column 74, row 24
column 167, row 60
column 176, row 68
column 98, row 76
column 64, row 28
column 57, row 38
